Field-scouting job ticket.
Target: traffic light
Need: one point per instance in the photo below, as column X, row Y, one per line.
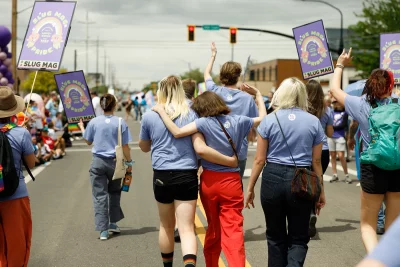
column 191, row 33
column 233, row 32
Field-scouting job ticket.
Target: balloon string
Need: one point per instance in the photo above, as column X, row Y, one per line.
column 30, row 97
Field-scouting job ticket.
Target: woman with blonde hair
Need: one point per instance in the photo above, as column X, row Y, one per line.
column 175, row 166
column 288, row 138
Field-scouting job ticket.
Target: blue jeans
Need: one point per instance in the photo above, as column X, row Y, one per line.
column 285, row 247
column 381, row 217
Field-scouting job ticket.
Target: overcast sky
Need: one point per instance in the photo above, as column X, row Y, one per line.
column 146, row 40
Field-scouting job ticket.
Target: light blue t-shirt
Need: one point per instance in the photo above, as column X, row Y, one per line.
column 238, row 127
column 326, row 120
column 387, row 251
column 102, row 131
column 21, row 144
column 239, row 102
column 359, row 109
column 168, row 152
column 303, row 131
column 51, row 108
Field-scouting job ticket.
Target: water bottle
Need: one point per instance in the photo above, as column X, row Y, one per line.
column 126, row 182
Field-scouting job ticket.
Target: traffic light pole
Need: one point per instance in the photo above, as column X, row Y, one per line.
column 232, row 51
column 254, row 30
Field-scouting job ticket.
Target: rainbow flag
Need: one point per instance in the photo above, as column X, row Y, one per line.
column 74, row 128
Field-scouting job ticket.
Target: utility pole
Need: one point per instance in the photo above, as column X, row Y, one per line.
column 105, row 68
column 75, row 59
column 87, row 22
column 97, row 63
column 14, row 44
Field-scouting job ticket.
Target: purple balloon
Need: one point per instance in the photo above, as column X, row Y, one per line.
column 4, row 49
column 8, row 75
column 1, row 75
column 5, row 36
column 4, row 81
column 11, row 80
column 9, row 55
column 3, row 69
column 3, row 56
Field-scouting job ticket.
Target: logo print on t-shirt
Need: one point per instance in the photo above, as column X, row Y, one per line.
column 229, row 97
column 292, row 117
column 108, row 120
column 227, row 125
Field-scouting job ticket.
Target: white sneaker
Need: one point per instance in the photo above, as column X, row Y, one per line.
column 334, row 178
column 348, row 180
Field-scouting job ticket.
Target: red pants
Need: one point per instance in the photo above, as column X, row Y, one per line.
column 222, row 196
column 15, row 232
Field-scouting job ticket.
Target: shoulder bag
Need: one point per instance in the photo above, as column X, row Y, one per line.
column 229, row 138
column 306, row 184
column 120, row 168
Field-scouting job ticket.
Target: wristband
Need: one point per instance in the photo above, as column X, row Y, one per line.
column 339, row 66
column 129, row 163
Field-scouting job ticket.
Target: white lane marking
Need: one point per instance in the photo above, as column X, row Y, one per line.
column 89, row 149
column 35, row 173
column 84, row 144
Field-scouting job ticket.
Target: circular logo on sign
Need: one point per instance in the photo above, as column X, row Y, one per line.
column 108, row 120
column 229, row 97
column 227, row 125
column 292, row 117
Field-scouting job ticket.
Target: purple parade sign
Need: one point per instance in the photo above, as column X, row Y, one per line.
column 312, row 48
column 46, row 36
column 390, row 54
column 75, row 96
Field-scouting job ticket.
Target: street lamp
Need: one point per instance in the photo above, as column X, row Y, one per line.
column 341, row 45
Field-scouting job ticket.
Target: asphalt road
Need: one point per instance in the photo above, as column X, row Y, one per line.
column 63, row 224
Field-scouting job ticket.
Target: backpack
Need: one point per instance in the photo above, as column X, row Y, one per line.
column 384, row 128
column 9, row 178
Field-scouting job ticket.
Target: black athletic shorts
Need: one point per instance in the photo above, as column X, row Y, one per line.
column 377, row 181
column 173, row 185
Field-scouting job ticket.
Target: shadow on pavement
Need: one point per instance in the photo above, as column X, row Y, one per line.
column 140, row 231
column 347, row 221
column 336, row 228
column 249, row 234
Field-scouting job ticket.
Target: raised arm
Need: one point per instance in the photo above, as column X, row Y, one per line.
column 207, row 71
column 262, row 111
column 177, row 132
column 336, row 90
column 210, row 154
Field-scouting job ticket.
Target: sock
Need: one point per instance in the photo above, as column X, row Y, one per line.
column 189, row 260
column 167, row 259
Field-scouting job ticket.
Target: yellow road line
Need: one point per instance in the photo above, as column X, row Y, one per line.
column 201, row 232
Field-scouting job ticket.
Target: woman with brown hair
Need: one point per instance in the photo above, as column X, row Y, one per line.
column 15, row 210
column 102, row 132
column 377, row 183
column 221, row 190
column 318, row 108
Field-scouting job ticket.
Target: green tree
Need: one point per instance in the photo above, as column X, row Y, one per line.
column 44, row 83
column 197, row 75
column 378, row 16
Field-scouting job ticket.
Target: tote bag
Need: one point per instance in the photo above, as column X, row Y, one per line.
column 120, row 168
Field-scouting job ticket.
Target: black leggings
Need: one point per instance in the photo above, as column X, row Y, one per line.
column 325, row 160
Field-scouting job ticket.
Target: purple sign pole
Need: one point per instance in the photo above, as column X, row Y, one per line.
column 75, row 96
column 312, row 48
column 46, row 36
column 390, row 54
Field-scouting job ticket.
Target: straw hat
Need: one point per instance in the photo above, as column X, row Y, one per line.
column 10, row 104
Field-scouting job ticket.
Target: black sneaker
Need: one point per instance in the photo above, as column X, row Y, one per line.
column 380, row 230
column 312, row 230
column 176, row 236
